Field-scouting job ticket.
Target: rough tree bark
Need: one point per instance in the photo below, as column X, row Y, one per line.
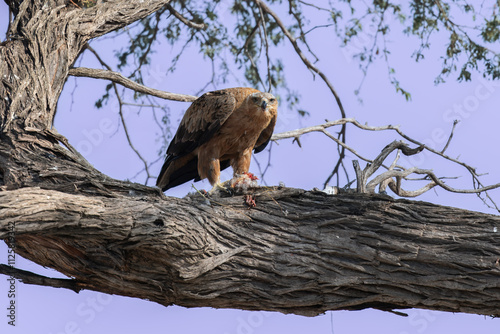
column 296, row 252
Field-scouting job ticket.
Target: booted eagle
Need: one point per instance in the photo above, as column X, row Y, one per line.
column 219, row 129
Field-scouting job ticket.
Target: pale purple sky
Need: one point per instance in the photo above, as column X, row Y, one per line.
column 427, row 117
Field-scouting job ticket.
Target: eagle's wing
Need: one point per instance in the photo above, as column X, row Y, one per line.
column 201, row 121
column 265, row 136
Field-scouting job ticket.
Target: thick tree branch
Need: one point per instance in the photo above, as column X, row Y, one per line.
column 120, row 79
column 52, row 54
column 296, row 252
column 31, row 278
column 108, row 16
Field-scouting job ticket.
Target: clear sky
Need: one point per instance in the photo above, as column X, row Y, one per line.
column 428, row 118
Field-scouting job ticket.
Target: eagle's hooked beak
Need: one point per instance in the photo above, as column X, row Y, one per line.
column 263, row 105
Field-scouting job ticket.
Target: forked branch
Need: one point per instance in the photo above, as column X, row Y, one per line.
column 395, row 171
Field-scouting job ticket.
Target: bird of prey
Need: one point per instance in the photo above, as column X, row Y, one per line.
column 219, row 129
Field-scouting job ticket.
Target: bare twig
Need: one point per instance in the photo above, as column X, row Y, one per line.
column 455, row 122
column 396, row 188
column 141, row 105
column 74, row 4
column 320, row 128
column 363, row 175
column 300, row 24
column 377, row 163
column 120, row 79
column 127, row 135
column 250, row 36
column 304, row 59
column 316, row 128
column 383, row 185
column 142, row 59
column 120, row 112
column 453, row 190
column 181, row 18
column 262, row 171
column 317, row 7
column 256, row 69
column 262, row 21
column 360, row 177
column 303, row 34
column 160, row 158
column 295, row 134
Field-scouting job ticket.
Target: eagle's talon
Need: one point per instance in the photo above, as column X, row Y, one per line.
column 219, row 188
column 228, row 190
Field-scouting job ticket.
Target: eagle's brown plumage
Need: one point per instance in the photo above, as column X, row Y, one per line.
column 219, row 129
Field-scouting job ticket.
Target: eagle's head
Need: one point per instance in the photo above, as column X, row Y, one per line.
column 264, row 101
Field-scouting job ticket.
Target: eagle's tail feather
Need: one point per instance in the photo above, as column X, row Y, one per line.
column 177, row 175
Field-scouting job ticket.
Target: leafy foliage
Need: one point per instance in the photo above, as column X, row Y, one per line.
column 463, row 53
column 426, row 19
column 253, row 38
column 241, row 40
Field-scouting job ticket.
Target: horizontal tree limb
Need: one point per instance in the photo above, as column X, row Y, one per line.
column 296, row 252
column 120, row 79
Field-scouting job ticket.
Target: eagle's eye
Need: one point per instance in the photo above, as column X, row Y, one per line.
column 255, row 99
column 272, row 100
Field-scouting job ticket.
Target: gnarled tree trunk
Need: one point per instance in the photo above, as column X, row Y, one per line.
column 296, row 252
